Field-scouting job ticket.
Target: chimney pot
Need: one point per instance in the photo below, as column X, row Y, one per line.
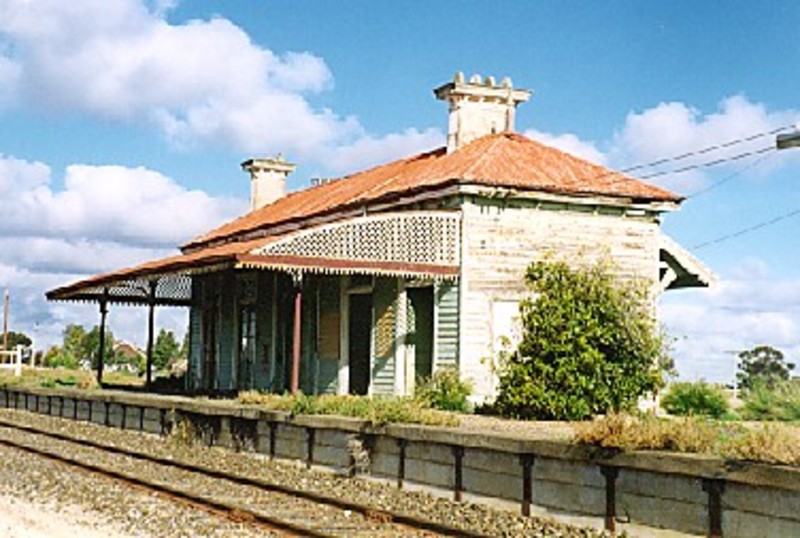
column 267, row 179
column 478, row 109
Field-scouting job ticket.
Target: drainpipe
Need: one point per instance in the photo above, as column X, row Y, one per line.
column 102, row 339
column 298, row 302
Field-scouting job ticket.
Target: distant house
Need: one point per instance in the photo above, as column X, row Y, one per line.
column 127, row 357
column 367, row 283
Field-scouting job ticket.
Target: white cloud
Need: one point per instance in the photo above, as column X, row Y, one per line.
column 368, row 151
column 70, row 257
column 571, row 144
column 104, row 218
column 673, row 129
column 133, row 206
column 200, row 81
column 749, row 308
column 18, row 175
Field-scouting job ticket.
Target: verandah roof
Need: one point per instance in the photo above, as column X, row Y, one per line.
column 339, row 248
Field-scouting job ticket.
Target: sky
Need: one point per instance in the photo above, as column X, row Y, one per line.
column 123, row 123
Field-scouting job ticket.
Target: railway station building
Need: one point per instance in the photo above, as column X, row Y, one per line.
column 366, row 283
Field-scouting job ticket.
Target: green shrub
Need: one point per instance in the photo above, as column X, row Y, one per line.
column 779, row 403
column 445, row 390
column 589, row 345
column 700, row 398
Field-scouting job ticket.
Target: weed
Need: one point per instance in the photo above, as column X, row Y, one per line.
column 782, row 402
column 770, row 444
column 359, row 455
column 445, row 390
column 183, row 433
column 377, row 409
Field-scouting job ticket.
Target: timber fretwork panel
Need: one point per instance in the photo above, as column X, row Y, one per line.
column 429, row 237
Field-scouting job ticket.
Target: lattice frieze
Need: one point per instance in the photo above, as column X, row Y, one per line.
column 429, row 237
column 170, row 289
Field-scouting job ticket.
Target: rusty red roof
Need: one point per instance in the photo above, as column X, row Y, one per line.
column 502, row 160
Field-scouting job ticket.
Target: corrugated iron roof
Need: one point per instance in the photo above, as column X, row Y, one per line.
column 502, row 160
column 236, row 254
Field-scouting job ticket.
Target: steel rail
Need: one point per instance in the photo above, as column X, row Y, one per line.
column 228, row 510
column 385, row 516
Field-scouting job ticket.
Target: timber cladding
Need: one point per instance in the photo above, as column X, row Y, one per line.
column 500, row 238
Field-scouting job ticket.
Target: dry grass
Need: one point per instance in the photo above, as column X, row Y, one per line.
column 768, row 443
column 60, row 378
column 378, row 410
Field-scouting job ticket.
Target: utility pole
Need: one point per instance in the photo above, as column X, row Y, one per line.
column 789, row 140
column 5, row 320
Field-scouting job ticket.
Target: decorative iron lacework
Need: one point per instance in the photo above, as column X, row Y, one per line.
column 170, row 289
column 426, row 237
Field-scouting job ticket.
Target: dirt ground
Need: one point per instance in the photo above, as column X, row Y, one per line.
column 21, row 519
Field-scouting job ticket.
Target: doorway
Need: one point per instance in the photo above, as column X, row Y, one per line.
column 245, row 365
column 209, row 359
column 421, row 330
column 359, row 339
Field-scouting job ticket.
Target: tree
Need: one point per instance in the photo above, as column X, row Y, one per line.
column 165, row 349
column 90, row 346
column 57, row 357
column 762, row 364
column 18, row 339
column 73, row 348
column 589, row 345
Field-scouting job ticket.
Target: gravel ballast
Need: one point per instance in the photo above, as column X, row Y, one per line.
column 134, row 513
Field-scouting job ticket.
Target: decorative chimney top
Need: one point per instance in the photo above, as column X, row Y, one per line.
column 267, row 179
column 479, row 107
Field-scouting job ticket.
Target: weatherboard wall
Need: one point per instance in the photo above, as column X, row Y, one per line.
column 501, row 237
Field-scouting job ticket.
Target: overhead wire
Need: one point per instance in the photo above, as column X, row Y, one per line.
column 747, row 230
column 764, row 153
column 709, row 164
column 703, row 151
column 734, row 175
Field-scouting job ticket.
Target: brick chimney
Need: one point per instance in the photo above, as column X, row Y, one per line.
column 267, row 180
column 478, row 107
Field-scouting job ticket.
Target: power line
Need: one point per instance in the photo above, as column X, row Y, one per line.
column 749, row 229
column 709, row 164
column 702, row 151
column 729, row 177
column 764, row 152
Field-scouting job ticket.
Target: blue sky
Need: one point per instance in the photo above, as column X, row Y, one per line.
column 118, row 116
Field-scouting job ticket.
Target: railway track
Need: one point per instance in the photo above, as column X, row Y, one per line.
column 274, row 507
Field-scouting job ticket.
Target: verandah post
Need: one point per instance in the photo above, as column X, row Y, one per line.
column 151, row 302
column 298, row 302
column 102, row 339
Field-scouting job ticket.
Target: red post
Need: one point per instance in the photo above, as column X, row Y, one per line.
column 298, row 301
